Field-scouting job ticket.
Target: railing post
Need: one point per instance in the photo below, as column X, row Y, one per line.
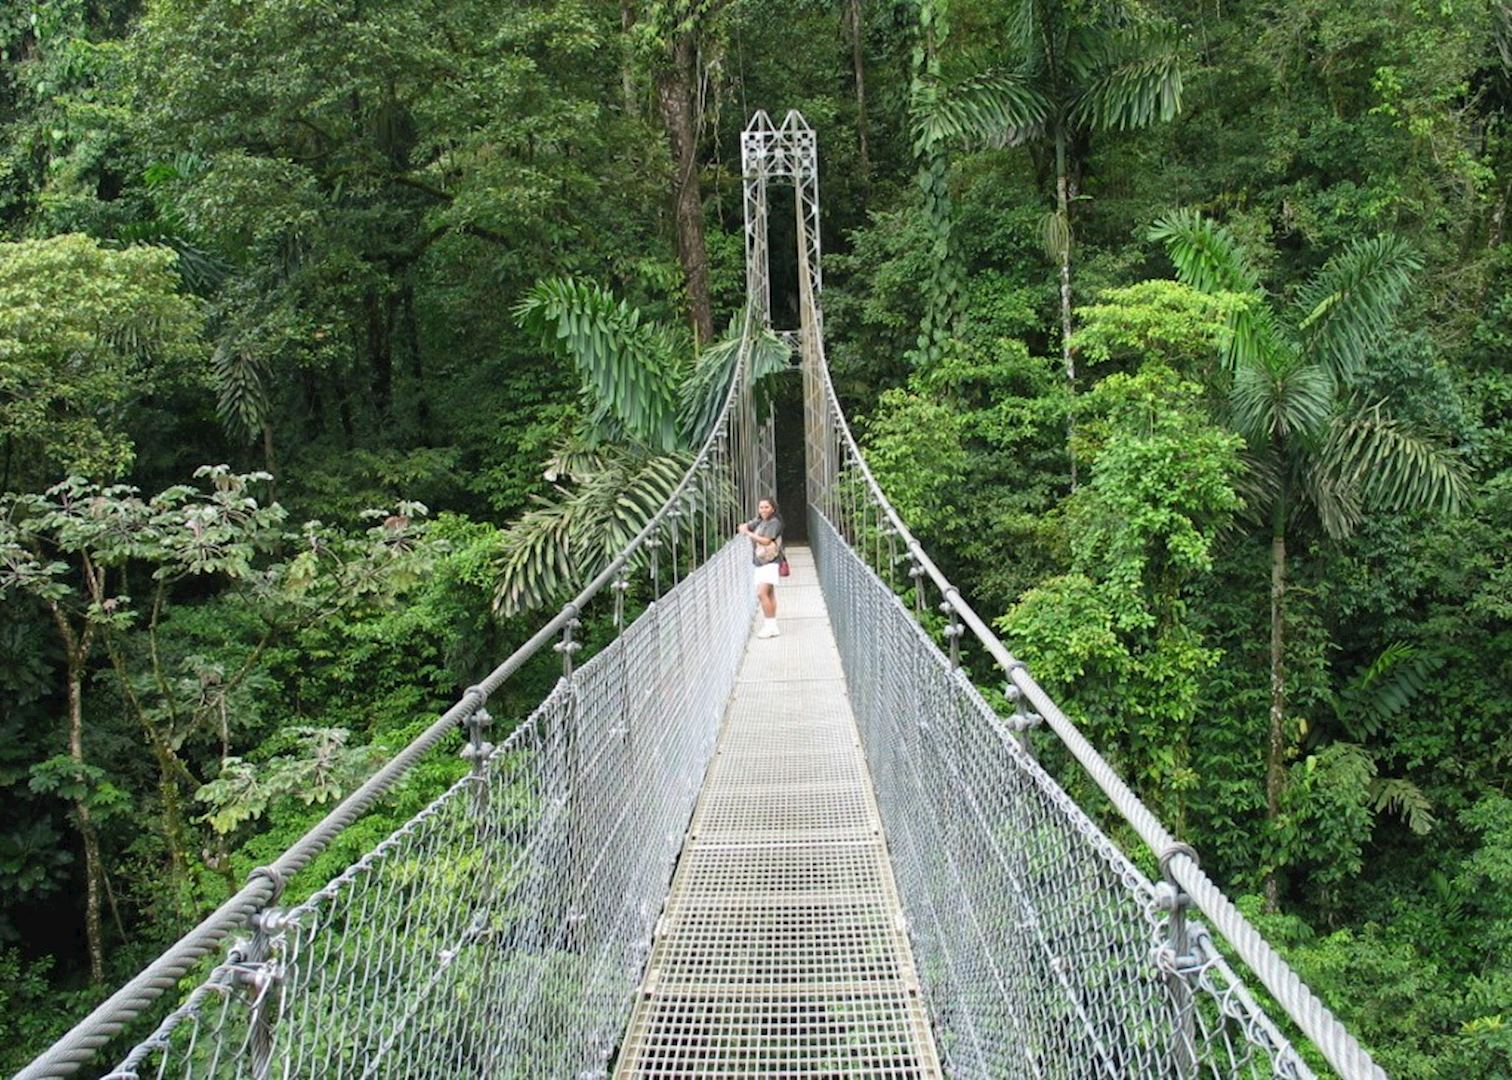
column 567, row 647
column 953, row 631
column 259, row 981
column 619, row 586
column 476, row 754
column 572, row 780
column 671, row 519
column 653, row 544
column 917, row 572
column 1024, row 719
column 1178, row 963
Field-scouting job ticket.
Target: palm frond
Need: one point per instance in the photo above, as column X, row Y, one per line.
column 534, row 561
column 1336, row 499
column 1346, row 309
column 625, row 362
column 1211, row 260
column 1206, row 254
column 995, row 108
column 1394, row 465
column 1402, row 797
column 567, row 539
column 1258, row 485
column 1023, row 26
column 704, row 393
column 1383, row 689
column 1055, row 235
column 1280, row 396
column 241, row 390
column 574, row 457
column 1136, row 81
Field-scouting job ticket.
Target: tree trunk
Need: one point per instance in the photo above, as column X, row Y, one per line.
column 380, row 352
column 858, row 69
column 627, row 71
column 1063, row 208
column 270, row 461
column 410, row 331
column 674, row 94
column 93, row 867
column 1275, row 754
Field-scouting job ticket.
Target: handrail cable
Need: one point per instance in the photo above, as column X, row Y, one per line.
column 75, row 1048
column 1177, row 859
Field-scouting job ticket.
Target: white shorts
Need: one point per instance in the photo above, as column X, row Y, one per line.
column 767, row 574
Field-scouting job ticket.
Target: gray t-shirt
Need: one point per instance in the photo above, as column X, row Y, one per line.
column 771, row 528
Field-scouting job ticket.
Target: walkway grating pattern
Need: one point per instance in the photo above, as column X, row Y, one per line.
column 782, row 949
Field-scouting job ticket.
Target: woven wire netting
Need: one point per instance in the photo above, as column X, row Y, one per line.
column 503, row 930
column 1042, row 950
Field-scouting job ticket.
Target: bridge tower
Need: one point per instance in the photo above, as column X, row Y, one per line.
column 787, row 154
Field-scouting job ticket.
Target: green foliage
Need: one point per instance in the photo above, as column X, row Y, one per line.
column 1113, row 635
column 564, row 542
column 1063, row 73
column 646, row 419
column 84, row 333
column 1290, row 391
column 267, row 235
column 25, row 1000
column 986, row 420
column 1162, row 321
column 708, row 386
column 319, row 768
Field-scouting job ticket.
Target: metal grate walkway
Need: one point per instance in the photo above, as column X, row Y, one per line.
column 782, row 948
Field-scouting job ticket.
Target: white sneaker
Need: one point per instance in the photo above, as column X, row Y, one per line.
column 768, row 630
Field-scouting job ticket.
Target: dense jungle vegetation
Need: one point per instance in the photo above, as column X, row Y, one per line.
column 1178, row 329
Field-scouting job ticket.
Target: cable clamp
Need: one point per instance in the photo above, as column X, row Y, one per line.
column 1023, row 718
column 274, row 876
column 1173, row 850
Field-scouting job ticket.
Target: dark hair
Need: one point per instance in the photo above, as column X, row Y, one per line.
column 769, row 499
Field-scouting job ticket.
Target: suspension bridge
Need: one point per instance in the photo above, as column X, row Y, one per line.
column 707, row 855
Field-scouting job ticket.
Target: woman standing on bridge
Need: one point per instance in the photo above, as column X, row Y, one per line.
column 765, row 531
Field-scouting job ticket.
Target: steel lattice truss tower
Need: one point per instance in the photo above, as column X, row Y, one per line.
column 786, row 154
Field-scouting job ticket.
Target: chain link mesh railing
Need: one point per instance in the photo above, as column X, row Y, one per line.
column 592, row 786
column 502, row 931
column 1043, row 951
